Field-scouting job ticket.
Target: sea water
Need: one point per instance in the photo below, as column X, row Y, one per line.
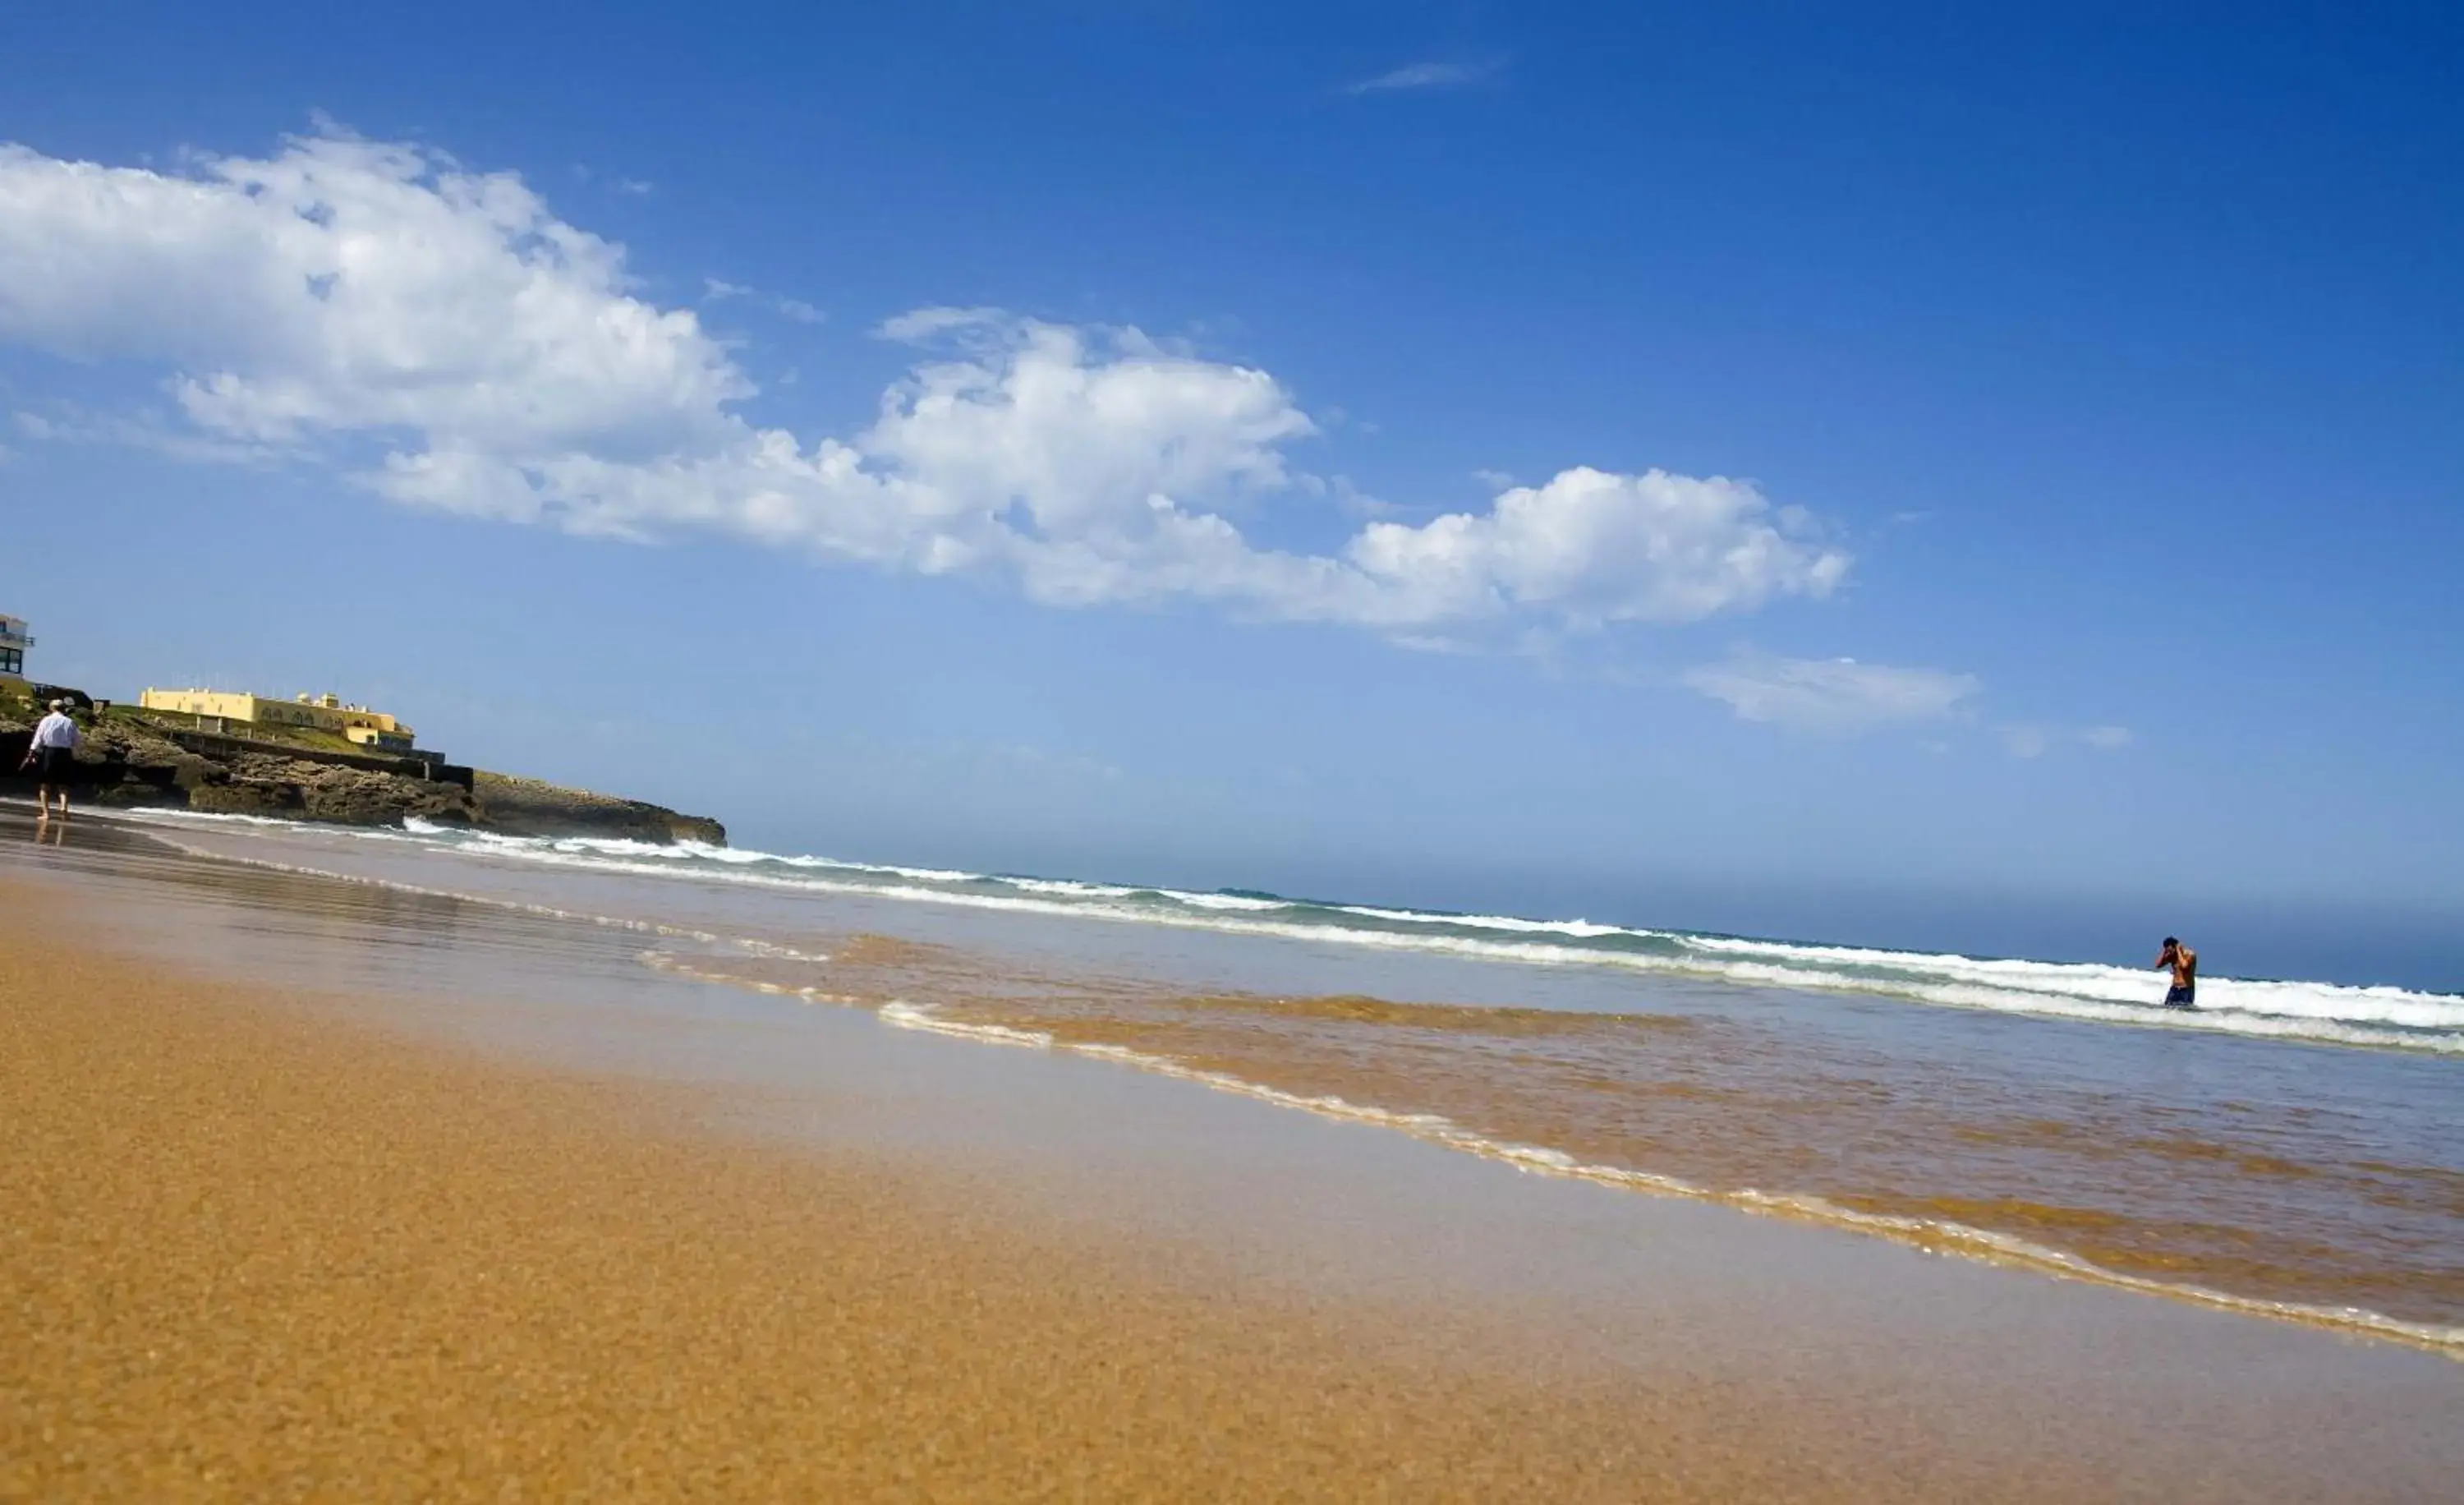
column 2288, row 1149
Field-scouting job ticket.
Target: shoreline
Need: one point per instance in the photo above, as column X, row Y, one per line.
column 276, row 1241
column 1344, row 1102
column 265, row 1248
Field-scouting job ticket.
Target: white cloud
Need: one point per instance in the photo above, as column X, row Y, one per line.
column 350, row 286
column 443, row 336
column 716, row 290
column 145, row 431
column 2108, row 739
column 1592, row 547
column 1830, row 695
column 1424, row 76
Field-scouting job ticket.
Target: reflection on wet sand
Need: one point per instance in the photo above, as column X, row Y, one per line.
column 1003, row 1273
column 2327, row 1179
column 254, row 1256
column 2292, row 1212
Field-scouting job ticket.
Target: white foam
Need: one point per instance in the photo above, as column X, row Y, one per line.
column 1934, row 1235
column 150, row 816
column 740, row 943
column 1066, row 888
column 2316, row 1013
column 914, row 1017
column 1540, row 1160
column 2008, row 990
column 1230, row 902
column 1931, row 1233
column 1579, row 929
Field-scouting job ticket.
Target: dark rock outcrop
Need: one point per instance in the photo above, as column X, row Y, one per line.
column 530, row 808
column 259, row 783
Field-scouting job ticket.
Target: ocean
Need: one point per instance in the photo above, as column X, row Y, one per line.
column 2393, row 1017
column 2287, row 1150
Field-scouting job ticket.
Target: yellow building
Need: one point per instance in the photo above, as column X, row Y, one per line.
column 322, row 712
column 13, row 643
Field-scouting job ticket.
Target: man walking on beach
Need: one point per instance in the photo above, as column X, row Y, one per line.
column 51, row 752
column 2185, row 963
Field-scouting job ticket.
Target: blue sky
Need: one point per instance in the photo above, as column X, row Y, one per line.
column 1439, row 454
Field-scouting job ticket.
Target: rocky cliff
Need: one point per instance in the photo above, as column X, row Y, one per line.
column 529, row 807
column 129, row 761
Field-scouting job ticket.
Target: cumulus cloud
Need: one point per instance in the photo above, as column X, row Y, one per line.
column 354, row 286
column 1830, row 695
column 1592, row 546
column 452, row 344
column 1424, row 76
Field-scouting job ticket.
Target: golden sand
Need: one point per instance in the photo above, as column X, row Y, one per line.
column 254, row 1248
column 248, row 1251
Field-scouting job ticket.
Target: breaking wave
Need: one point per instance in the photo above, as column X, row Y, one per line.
column 2323, row 1013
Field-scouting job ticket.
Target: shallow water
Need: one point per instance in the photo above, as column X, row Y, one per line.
column 2297, row 1171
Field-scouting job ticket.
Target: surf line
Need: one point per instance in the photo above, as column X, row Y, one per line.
column 1925, row 1235
column 1964, row 985
column 1951, row 988
column 652, row 927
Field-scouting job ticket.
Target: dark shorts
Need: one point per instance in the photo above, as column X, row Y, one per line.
column 2182, row 997
column 53, row 764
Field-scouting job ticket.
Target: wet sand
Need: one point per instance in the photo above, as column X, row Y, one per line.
column 2267, row 1212
column 2320, row 1182
column 265, row 1245
column 252, row 1252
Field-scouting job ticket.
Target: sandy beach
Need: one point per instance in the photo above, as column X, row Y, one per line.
column 263, row 1243
column 254, row 1256
column 1155, row 752
column 253, row 1253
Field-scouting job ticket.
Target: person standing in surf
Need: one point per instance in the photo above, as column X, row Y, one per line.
column 2185, row 964
column 50, row 753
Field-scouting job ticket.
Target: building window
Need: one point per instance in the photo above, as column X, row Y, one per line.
column 12, row 661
